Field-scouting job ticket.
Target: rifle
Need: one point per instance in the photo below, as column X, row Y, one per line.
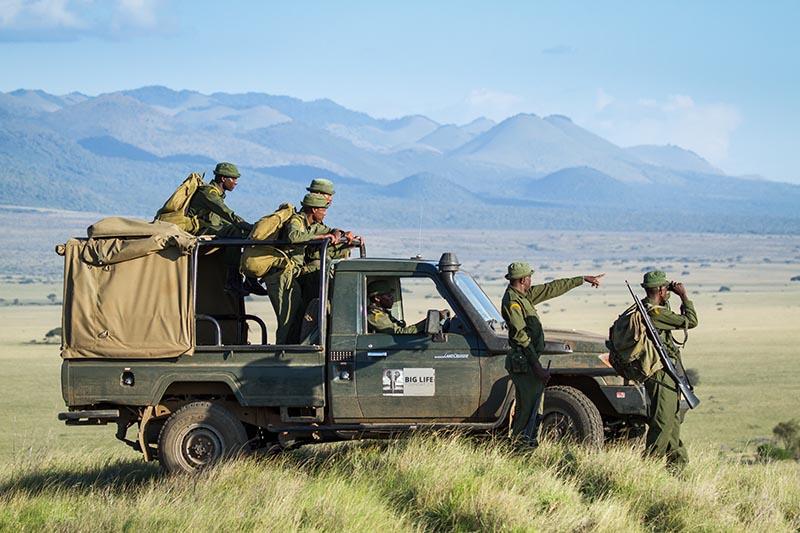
column 532, row 427
column 684, row 386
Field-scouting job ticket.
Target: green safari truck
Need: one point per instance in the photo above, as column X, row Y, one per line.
column 152, row 340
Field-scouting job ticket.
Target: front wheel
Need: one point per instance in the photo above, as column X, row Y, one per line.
column 569, row 414
column 198, row 435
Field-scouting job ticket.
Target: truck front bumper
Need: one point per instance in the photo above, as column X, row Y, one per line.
column 626, row 399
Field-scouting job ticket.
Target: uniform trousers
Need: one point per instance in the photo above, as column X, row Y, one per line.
column 664, row 424
column 527, row 388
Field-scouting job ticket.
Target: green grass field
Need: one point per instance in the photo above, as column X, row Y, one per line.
column 427, row 483
column 745, row 350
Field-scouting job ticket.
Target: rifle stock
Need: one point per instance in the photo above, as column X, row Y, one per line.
column 683, row 386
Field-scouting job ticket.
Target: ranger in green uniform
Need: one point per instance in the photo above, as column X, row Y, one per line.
column 217, row 219
column 379, row 312
column 664, row 424
column 323, row 187
column 526, row 336
column 208, row 205
column 303, row 227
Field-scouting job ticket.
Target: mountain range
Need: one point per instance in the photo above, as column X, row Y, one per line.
column 124, row 152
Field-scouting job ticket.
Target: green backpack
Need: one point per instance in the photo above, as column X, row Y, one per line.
column 631, row 352
column 174, row 209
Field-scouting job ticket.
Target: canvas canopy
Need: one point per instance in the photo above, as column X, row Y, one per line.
column 128, row 291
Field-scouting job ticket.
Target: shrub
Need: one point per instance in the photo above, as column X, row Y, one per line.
column 788, row 434
column 771, row 452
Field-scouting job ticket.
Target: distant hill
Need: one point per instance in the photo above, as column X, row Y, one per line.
column 432, row 190
column 125, row 151
column 579, row 185
column 528, row 142
column 673, row 157
column 447, row 137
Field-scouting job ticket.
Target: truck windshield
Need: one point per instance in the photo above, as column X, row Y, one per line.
column 478, row 298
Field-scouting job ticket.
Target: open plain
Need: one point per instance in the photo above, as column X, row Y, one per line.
column 744, row 352
column 744, row 349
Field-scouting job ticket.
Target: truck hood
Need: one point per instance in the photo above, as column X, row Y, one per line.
column 562, row 341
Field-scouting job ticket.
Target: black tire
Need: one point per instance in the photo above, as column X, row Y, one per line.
column 569, row 414
column 198, row 435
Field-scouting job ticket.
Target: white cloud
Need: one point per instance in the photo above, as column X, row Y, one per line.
column 705, row 128
column 9, row 11
column 64, row 20
column 603, row 100
column 26, row 14
column 141, row 13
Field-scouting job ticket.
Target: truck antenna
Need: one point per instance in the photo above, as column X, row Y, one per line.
column 419, row 241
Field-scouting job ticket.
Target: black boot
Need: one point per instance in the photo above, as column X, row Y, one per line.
column 233, row 282
column 253, row 286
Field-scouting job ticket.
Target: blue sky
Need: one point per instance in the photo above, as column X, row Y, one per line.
column 720, row 78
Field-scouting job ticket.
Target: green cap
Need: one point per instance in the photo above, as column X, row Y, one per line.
column 518, row 269
column 380, row 286
column 654, row 279
column 228, row 170
column 321, row 185
column 313, row 199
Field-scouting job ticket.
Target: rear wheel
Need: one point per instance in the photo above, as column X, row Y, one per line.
column 198, row 435
column 569, row 414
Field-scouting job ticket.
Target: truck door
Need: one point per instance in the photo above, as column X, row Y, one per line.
column 413, row 376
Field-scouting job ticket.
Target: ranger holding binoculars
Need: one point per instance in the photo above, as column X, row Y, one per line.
column 664, row 421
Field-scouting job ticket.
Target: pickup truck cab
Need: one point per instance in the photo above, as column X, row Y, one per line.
column 156, row 342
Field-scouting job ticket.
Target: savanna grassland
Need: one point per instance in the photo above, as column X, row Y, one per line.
column 744, row 350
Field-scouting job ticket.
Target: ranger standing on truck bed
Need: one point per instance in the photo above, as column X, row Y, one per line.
column 304, row 226
column 526, row 336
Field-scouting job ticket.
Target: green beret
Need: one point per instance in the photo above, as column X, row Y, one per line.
column 654, row 279
column 321, row 185
column 518, row 270
column 228, row 170
column 313, row 199
column 380, row 286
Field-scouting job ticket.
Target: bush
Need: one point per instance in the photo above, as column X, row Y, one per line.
column 788, row 434
column 771, row 452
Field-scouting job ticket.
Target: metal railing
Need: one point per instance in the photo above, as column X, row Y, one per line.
column 322, row 244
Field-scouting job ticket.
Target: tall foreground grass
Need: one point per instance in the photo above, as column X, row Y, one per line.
column 433, row 482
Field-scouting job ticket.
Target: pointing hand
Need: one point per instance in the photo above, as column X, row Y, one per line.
column 594, row 280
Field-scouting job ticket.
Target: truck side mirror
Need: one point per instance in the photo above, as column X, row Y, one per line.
column 433, row 326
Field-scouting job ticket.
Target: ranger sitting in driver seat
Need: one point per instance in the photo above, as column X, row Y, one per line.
column 379, row 311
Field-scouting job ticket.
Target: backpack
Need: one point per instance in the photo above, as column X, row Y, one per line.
column 258, row 260
column 631, row 352
column 174, row 209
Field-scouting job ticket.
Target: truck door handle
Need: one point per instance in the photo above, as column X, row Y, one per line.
column 376, row 354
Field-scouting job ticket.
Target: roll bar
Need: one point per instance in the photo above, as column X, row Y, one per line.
column 322, row 244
